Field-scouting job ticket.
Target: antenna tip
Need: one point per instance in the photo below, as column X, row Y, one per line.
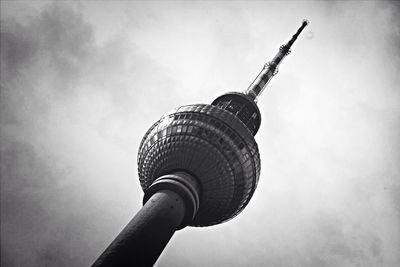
column 306, row 22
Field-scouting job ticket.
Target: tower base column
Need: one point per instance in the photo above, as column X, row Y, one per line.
column 170, row 203
column 141, row 242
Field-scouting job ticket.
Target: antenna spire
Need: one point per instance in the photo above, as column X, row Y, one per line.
column 271, row 68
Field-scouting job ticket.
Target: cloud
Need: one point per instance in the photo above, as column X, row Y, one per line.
column 81, row 83
column 47, row 121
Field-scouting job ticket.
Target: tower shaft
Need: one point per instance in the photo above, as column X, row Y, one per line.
column 144, row 238
column 141, row 242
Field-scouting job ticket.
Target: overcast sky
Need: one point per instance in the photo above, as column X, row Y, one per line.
column 81, row 82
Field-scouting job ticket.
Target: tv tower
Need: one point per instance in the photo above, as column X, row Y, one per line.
column 198, row 165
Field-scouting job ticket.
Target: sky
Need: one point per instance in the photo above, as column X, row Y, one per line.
column 81, row 82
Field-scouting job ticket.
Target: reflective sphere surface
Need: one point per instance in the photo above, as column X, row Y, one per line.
column 214, row 146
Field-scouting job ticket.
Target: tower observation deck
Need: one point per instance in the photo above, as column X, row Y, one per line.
column 198, row 166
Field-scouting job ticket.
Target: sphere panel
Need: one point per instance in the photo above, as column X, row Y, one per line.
column 214, row 146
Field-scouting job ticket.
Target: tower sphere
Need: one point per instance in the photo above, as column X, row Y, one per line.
column 215, row 146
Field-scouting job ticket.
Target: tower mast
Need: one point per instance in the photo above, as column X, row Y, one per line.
column 271, row 68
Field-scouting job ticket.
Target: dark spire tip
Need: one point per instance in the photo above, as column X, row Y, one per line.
column 270, row 69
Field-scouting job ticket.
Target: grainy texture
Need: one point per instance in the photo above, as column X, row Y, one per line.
column 81, row 82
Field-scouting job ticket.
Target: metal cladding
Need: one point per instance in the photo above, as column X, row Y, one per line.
column 211, row 144
column 271, row 68
column 243, row 107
